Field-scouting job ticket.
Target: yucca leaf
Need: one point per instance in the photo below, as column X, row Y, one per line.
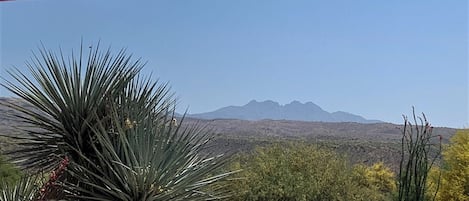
column 26, row 189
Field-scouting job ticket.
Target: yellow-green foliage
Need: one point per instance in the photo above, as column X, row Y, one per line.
column 454, row 182
column 433, row 183
column 377, row 182
column 8, row 172
column 301, row 172
column 382, row 177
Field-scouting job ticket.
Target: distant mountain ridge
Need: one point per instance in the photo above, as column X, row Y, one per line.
column 295, row 110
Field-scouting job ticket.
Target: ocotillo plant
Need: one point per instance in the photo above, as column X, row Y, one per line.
column 418, row 154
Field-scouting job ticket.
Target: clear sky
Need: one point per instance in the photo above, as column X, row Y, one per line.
column 372, row 58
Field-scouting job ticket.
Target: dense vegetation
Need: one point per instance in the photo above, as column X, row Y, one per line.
column 306, row 172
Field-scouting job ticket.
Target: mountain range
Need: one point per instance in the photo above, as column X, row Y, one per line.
column 268, row 109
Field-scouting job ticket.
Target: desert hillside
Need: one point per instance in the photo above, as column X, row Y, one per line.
column 367, row 143
column 360, row 143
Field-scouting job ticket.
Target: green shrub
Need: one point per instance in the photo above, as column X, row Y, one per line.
column 8, row 172
column 454, row 175
column 298, row 172
column 374, row 183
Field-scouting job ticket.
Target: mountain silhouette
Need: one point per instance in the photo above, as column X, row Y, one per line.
column 268, row 109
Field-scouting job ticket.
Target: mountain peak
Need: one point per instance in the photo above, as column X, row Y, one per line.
column 253, row 101
column 295, row 102
column 266, row 102
column 268, row 109
column 308, row 106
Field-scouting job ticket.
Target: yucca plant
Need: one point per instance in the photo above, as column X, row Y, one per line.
column 147, row 161
column 114, row 128
column 64, row 94
column 26, row 189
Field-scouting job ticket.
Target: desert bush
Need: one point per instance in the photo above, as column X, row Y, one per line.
column 301, row 172
column 376, row 182
column 454, row 173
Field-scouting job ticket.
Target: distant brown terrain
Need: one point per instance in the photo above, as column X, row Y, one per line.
column 360, row 143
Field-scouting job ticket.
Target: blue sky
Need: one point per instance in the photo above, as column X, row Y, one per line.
column 372, row 58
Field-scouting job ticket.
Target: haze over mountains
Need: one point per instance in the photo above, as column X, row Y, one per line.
column 295, row 110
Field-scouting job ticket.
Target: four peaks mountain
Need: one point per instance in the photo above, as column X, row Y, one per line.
column 268, row 109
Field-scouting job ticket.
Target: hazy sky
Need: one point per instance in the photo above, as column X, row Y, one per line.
column 372, row 58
